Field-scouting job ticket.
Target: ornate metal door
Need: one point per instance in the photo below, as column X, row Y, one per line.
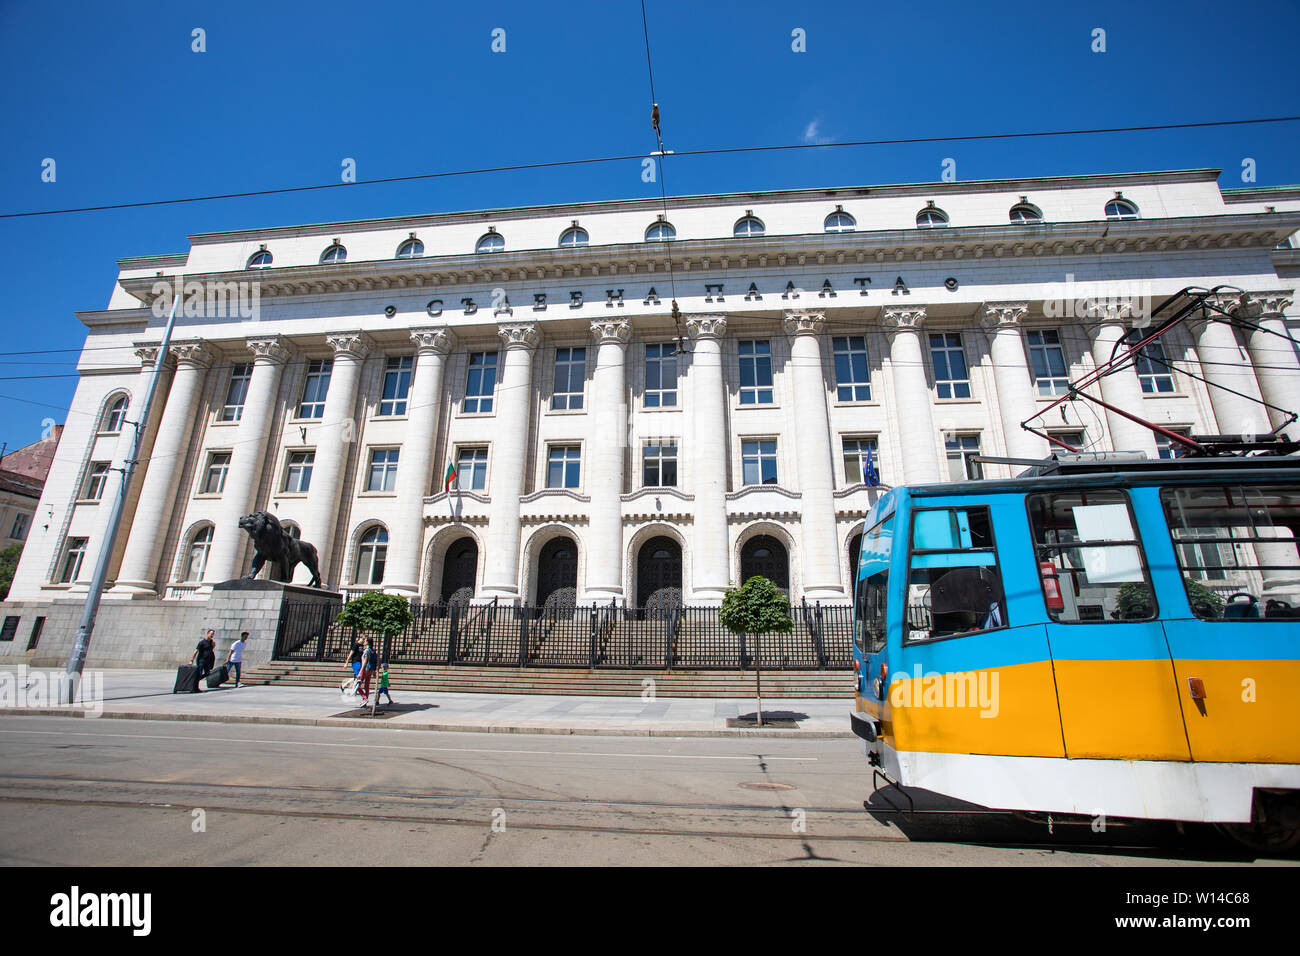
column 460, row 568
column 658, row 568
column 766, row 556
column 557, row 568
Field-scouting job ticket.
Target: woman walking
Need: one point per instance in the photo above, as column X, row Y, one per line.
column 369, row 664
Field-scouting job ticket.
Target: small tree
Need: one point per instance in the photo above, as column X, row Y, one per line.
column 8, row 564
column 757, row 607
column 377, row 613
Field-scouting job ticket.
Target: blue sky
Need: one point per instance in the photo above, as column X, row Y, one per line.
column 285, row 91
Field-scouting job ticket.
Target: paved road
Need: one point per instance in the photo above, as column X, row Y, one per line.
column 91, row 792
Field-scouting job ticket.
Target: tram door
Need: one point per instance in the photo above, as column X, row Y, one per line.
column 1114, row 674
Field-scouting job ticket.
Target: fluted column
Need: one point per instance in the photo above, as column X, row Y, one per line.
column 514, row 394
column 710, row 560
column 1012, row 378
column 413, row 465
column 912, row 396
column 819, row 542
column 157, row 505
column 1226, row 365
column 605, row 453
column 335, row 437
column 1121, row 388
column 247, row 457
column 1276, row 366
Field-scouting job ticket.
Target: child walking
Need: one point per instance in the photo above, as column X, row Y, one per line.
column 383, row 685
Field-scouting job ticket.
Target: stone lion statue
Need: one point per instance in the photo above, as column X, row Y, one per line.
column 285, row 552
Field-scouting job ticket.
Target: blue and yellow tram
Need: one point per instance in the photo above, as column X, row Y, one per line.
column 1099, row 636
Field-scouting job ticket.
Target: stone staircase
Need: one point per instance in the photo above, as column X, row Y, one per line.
column 587, row 682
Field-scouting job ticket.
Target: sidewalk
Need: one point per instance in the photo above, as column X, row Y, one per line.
column 146, row 695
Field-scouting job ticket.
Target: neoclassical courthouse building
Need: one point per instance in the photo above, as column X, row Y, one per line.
column 330, row 374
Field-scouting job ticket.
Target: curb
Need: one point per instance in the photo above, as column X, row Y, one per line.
column 446, row 728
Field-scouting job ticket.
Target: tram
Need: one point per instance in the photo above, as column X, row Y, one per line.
column 1097, row 636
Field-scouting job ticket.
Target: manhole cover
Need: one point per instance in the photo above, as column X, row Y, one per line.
column 764, row 785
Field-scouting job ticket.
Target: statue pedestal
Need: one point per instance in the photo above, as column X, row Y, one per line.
column 248, row 604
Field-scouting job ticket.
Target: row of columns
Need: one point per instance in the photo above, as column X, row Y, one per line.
column 1223, row 363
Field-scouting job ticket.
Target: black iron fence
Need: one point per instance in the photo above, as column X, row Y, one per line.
column 604, row 635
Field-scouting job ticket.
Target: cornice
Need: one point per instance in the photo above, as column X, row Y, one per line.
column 650, row 259
column 555, row 493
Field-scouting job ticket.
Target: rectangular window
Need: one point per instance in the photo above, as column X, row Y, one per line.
column 1237, row 549
column 1047, row 357
column 297, row 473
column 1167, row 447
column 1090, row 562
column 954, row 585
column 37, row 626
column 21, row 523
column 1153, row 369
column 659, row 465
column 214, row 482
column 755, row 373
column 570, row 374
column 563, row 467
column 872, row 591
column 481, row 381
column 962, row 452
column 315, row 388
column 397, row 384
column 951, row 380
column 471, row 469
column 72, row 555
column 9, row 629
column 383, row 469
column 236, row 392
column 852, row 374
column 96, row 480
column 1073, row 439
column 661, row 376
column 758, row 461
column 857, row 451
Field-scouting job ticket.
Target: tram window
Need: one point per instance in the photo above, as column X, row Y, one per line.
column 1090, row 561
column 954, row 585
column 1237, row 549
column 872, row 592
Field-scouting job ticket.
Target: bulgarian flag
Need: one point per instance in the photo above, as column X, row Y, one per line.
column 449, row 477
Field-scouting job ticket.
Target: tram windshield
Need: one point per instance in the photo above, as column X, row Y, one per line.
column 1237, row 549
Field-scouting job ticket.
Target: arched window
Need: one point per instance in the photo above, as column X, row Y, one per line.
column 660, row 232
column 196, row 561
column 573, row 236
column 116, row 414
column 1121, row 209
column 748, row 226
column 334, row 254
column 840, row 221
column 1025, row 212
column 260, row 260
column 372, row 554
column 492, row 242
column 411, row 249
column 931, row 217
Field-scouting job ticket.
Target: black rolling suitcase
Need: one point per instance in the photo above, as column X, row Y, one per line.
column 187, row 680
column 219, row 676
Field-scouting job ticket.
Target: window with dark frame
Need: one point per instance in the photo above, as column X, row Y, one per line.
column 659, row 465
column 954, row 584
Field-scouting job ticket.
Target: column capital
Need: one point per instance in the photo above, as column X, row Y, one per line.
column 1268, row 305
column 903, row 319
column 803, row 323
column 196, row 353
column 147, row 353
column 519, row 335
column 1112, row 312
column 437, row 339
column 355, row 344
column 271, row 348
column 706, row 326
column 615, row 331
column 1001, row 315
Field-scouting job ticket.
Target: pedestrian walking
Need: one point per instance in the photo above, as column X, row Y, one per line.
column 355, row 653
column 235, row 659
column 369, row 663
column 383, row 685
column 205, row 654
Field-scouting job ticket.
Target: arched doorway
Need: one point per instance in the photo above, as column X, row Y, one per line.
column 460, row 570
column 659, row 572
column 855, row 550
column 766, row 556
column 557, row 572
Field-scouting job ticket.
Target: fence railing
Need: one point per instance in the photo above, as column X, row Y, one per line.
column 601, row 635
